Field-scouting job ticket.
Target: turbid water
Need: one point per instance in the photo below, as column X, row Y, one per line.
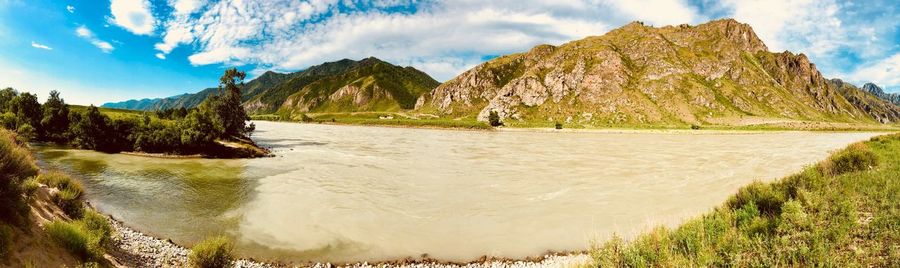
column 346, row 193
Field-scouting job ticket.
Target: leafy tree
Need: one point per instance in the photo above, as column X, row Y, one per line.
column 55, row 121
column 199, row 128
column 88, row 129
column 227, row 107
column 26, row 132
column 8, row 120
column 27, row 109
column 6, row 95
column 494, row 119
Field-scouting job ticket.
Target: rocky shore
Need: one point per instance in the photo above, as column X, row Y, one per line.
column 131, row 248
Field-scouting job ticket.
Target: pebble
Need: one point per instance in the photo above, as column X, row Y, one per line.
column 136, row 249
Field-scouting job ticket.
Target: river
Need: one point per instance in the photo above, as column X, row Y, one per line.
column 353, row 193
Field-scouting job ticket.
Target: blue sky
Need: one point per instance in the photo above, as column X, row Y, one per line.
column 95, row 51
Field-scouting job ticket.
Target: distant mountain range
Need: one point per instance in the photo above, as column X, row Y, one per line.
column 718, row 72
column 341, row 86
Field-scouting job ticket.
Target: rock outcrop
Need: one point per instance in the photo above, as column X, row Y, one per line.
column 878, row 92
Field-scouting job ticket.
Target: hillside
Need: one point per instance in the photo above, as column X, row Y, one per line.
column 878, row 107
column 716, row 73
column 341, row 86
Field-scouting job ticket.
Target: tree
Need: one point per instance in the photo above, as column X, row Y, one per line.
column 199, row 129
column 228, row 108
column 27, row 109
column 6, row 95
column 89, row 129
column 494, row 119
column 55, row 121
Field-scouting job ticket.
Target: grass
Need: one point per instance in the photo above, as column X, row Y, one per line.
column 6, row 240
column 16, row 164
column 215, row 252
column 70, row 191
column 87, row 237
column 375, row 119
column 841, row 212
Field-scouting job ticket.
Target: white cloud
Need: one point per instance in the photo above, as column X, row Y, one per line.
column 70, row 8
column 133, row 15
column 160, row 56
column 658, row 12
column 885, row 72
column 86, row 33
column 441, row 38
column 41, row 46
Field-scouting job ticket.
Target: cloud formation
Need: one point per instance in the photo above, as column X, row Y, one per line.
column 133, row 15
column 40, row 46
column 86, row 33
column 70, row 8
column 444, row 38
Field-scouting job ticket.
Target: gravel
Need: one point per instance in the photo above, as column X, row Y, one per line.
column 135, row 249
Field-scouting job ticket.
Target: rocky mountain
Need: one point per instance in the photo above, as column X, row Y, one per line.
column 878, row 92
column 882, row 110
column 718, row 72
column 341, row 86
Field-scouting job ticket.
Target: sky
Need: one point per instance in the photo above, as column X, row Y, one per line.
column 97, row 51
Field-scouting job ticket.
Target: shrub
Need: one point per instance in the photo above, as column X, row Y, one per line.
column 16, row 165
column 69, row 196
column 857, row 157
column 87, row 238
column 768, row 199
column 212, row 253
column 6, row 240
column 695, row 126
column 494, row 119
column 26, row 132
column 68, row 201
column 558, row 125
column 76, row 239
column 30, row 186
column 305, row 118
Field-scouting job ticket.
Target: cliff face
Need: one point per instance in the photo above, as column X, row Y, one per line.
column 880, row 109
column 639, row 74
column 878, row 92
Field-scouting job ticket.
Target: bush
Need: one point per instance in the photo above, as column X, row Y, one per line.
column 76, row 239
column 767, row 198
column 857, row 157
column 494, row 119
column 30, row 186
column 212, row 253
column 16, row 165
column 87, row 238
column 695, row 126
column 558, row 125
column 69, row 196
column 6, row 240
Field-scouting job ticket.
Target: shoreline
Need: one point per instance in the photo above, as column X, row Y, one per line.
column 606, row 130
column 134, row 248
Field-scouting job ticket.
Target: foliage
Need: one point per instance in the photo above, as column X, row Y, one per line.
column 227, row 107
column 68, row 198
column 558, row 125
column 80, row 238
column 27, row 109
column 30, row 187
column 811, row 219
column 494, row 119
column 215, row 252
column 26, row 132
column 16, row 165
column 6, row 240
column 857, row 157
column 55, row 120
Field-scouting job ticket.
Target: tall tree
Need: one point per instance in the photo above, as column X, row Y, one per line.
column 6, row 96
column 89, row 128
column 27, row 109
column 228, row 109
column 55, row 121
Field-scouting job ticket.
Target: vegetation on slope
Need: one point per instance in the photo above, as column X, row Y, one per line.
column 203, row 130
column 842, row 212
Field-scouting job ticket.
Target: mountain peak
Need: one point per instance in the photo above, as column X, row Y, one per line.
column 873, row 88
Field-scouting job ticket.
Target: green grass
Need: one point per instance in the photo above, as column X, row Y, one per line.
column 86, row 238
column 70, row 191
column 841, row 212
column 114, row 113
column 215, row 252
column 16, row 165
column 398, row 119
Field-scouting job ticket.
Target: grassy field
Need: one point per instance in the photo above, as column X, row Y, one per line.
column 842, row 212
column 379, row 119
column 112, row 112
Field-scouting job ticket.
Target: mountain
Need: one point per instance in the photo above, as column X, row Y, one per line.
column 341, row 86
column 718, row 72
column 879, row 108
column 878, row 92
